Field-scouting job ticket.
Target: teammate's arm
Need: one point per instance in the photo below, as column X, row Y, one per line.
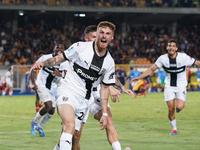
column 50, row 62
column 125, row 90
column 197, row 62
column 146, row 73
column 32, row 78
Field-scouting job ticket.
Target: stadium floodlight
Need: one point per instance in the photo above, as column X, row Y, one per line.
column 21, row 13
column 76, row 15
column 81, row 15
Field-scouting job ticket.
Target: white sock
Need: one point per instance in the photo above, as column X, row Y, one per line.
column 65, row 141
column 46, row 117
column 3, row 93
column 173, row 124
column 56, row 147
column 10, row 93
column 37, row 117
column 116, row 145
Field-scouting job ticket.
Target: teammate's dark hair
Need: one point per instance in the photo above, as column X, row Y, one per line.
column 60, row 42
column 40, row 53
column 173, row 41
column 91, row 28
column 107, row 24
column 9, row 68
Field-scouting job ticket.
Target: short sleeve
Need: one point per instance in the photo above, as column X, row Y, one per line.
column 158, row 62
column 109, row 75
column 72, row 52
column 189, row 60
column 40, row 59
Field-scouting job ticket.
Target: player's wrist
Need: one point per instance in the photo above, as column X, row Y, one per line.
column 105, row 114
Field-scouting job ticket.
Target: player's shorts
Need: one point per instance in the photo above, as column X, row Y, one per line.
column 47, row 95
column 9, row 84
column 79, row 104
column 175, row 93
column 198, row 79
column 158, row 80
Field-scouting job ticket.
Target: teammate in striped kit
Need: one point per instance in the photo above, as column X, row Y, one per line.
column 174, row 64
column 46, row 86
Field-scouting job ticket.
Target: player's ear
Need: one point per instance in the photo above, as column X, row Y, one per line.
column 112, row 36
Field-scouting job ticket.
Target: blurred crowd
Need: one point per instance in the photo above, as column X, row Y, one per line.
column 122, row 3
column 149, row 42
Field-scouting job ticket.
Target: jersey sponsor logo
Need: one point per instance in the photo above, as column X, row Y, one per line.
column 112, row 75
column 174, row 70
column 172, row 65
column 95, row 68
column 65, row 99
column 83, row 74
column 69, row 49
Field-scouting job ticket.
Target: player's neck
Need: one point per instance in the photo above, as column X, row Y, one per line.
column 100, row 51
column 172, row 56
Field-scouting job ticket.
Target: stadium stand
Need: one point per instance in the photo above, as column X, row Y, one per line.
column 139, row 40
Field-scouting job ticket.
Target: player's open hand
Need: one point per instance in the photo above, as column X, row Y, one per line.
column 103, row 122
column 114, row 93
column 37, row 66
column 128, row 91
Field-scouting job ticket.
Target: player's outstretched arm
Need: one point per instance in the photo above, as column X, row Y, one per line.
column 50, row 62
column 146, row 73
column 32, row 78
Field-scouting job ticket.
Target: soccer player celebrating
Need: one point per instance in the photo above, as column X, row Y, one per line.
column 174, row 64
column 89, row 61
column 95, row 106
column 46, row 87
column 9, row 82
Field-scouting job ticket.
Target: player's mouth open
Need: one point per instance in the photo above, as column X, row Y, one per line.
column 103, row 41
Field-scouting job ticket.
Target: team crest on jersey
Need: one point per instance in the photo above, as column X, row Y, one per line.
column 112, row 75
column 65, row 99
column 47, row 96
column 103, row 70
column 69, row 49
column 179, row 64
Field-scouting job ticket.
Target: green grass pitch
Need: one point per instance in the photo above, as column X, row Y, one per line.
column 141, row 124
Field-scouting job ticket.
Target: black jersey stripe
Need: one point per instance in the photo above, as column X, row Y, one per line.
column 173, row 81
column 65, row 56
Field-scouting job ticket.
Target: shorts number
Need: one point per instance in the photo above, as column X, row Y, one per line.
column 81, row 116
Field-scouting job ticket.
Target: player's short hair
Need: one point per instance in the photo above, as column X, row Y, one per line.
column 41, row 52
column 59, row 42
column 9, row 68
column 173, row 41
column 91, row 28
column 107, row 24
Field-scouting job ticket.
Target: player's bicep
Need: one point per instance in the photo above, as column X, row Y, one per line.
column 154, row 67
